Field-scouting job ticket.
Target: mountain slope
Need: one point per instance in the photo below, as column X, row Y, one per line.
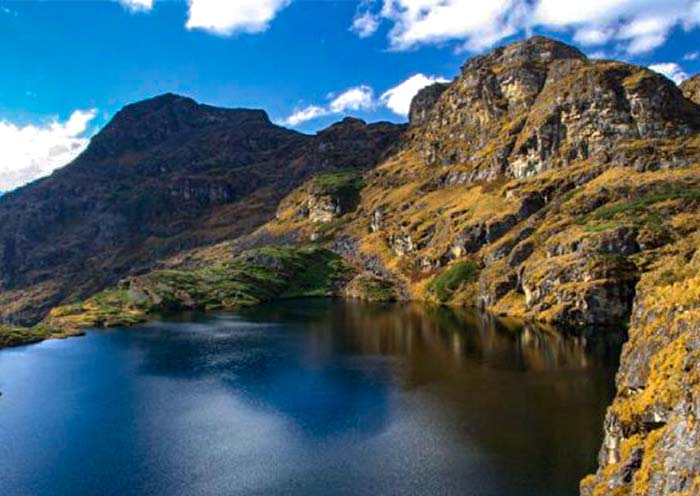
column 165, row 175
column 549, row 172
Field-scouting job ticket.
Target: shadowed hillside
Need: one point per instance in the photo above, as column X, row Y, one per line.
column 165, row 175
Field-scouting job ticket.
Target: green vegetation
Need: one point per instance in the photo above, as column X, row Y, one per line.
column 321, row 277
column 338, row 181
column 596, row 228
column 254, row 277
column 16, row 336
column 371, row 288
column 452, row 279
column 327, row 230
column 641, row 205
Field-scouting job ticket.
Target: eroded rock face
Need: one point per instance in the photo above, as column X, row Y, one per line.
column 652, row 435
column 539, row 104
column 691, row 89
column 322, row 208
column 581, row 290
column 423, row 103
column 517, row 166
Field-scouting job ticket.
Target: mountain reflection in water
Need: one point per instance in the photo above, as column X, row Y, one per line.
column 458, row 337
column 309, row 397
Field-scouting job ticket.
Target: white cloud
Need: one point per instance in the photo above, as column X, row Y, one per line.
column 29, row 152
column 365, row 24
column 479, row 24
column 306, row 114
column 640, row 25
column 671, row 70
column 398, row 99
column 137, row 5
column 691, row 56
column 593, row 36
column 228, row 17
column 361, row 98
column 636, row 25
column 598, row 54
column 355, row 99
column 644, row 35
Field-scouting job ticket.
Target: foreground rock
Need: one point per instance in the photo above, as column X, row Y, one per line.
column 652, row 434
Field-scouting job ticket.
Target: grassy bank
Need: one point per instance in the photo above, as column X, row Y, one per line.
column 251, row 278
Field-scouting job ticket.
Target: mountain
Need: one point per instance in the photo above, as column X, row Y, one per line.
column 538, row 184
column 545, row 185
column 163, row 176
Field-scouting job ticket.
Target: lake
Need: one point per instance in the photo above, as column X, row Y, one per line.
column 307, row 397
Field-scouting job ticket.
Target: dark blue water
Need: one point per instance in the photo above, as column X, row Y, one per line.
column 305, row 398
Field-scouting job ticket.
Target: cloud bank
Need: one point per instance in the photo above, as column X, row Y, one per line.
column 30, row 152
column 358, row 98
column 632, row 26
column 671, row 70
column 361, row 98
column 635, row 26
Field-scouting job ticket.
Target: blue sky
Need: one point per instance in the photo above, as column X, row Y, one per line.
column 68, row 66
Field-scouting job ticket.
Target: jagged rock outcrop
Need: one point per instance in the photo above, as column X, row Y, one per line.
column 540, row 104
column 550, row 171
column 691, row 89
column 163, row 176
column 423, row 103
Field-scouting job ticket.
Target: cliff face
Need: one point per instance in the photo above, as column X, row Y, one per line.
column 423, row 103
column 165, row 175
column 539, row 104
column 652, row 434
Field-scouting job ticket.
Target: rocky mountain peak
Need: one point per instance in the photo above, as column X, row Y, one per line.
column 537, row 50
column 350, row 144
column 347, row 123
column 164, row 175
column 156, row 120
column 540, row 104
